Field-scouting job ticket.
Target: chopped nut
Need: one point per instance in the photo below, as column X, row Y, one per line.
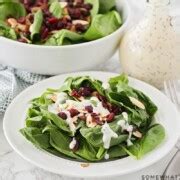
column 89, row 121
column 22, row 27
column 63, row 4
column 12, row 22
column 137, row 103
column 84, row 23
column 84, row 165
column 54, row 98
column 137, row 134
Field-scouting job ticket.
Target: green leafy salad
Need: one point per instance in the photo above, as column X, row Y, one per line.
column 58, row 22
column 90, row 120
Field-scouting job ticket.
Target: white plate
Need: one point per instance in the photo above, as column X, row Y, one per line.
column 14, row 120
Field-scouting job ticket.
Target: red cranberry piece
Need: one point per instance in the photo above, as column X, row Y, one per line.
column 97, row 120
column 21, row 20
column 79, row 1
column 73, row 112
column 85, row 12
column 74, row 13
column 80, row 28
column 44, row 33
column 85, row 91
column 52, row 20
column 94, row 114
column 62, row 115
column 89, row 109
column 88, row 6
column 102, row 98
column 110, row 117
column 75, row 93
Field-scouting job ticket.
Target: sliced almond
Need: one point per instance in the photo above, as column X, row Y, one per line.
column 84, row 165
column 137, row 134
column 137, row 103
column 22, row 27
column 63, row 4
column 89, row 121
column 54, row 98
column 12, row 22
column 84, row 23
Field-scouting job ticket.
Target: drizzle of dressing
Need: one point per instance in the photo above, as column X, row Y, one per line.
column 106, row 156
column 108, row 133
column 105, row 85
column 72, row 143
column 126, row 126
column 70, row 121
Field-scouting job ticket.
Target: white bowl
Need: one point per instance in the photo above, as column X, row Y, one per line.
column 59, row 59
column 14, row 120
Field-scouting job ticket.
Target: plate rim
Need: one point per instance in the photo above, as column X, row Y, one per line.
column 88, row 175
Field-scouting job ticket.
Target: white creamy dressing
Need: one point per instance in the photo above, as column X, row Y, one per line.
column 149, row 51
column 126, row 126
column 72, row 143
column 108, row 133
column 106, row 156
column 105, row 85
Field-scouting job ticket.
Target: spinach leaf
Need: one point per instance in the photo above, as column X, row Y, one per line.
column 116, row 152
column 61, row 36
column 11, row 9
column 103, row 25
column 60, row 123
column 106, row 5
column 95, row 4
column 55, row 9
column 60, row 142
column 154, row 136
column 38, row 121
column 36, row 136
column 94, row 135
column 86, row 151
column 6, row 31
column 36, row 26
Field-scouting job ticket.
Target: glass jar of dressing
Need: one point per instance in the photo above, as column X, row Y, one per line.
column 149, row 50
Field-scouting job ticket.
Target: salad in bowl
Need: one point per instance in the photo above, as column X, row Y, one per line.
column 58, row 22
column 90, row 120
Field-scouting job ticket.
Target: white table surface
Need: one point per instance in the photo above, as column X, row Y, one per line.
column 13, row 167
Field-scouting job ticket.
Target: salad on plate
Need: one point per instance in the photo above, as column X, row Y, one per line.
column 89, row 120
column 58, row 22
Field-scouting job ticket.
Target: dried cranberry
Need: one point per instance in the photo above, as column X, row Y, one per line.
column 79, row 1
column 85, row 12
column 93, row 114
column 85, row 91
column 60, row 25
column 52, row 20
column 89, row 109
column 74, row 13
column 75, row 93
column 97, row 120
column 80, row 28
column 73, row 112
column 87, row 6
column 102, row 98
column 44, row 33
column 62, row 115
column 21, row 20
column 110, row 117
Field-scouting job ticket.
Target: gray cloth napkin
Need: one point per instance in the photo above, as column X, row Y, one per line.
column 12, row 82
